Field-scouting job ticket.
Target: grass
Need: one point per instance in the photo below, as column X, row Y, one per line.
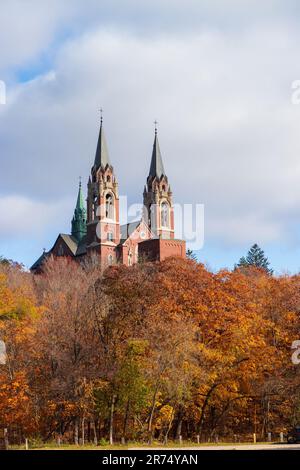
column 173, row 444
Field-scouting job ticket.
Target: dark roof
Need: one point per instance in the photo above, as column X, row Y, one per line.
column 39, row 261
column 102, row 156
column 128, row 229
column 70, row 241
column 156, row 167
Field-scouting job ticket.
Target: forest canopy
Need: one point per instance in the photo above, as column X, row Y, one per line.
column 152, row 351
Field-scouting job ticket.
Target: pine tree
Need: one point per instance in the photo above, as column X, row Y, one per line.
column 191, row 255
column 255, row 257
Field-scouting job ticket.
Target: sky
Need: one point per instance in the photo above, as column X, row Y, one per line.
column 216, row 74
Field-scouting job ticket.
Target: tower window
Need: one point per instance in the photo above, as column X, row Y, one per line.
column 165, row 214
column 94, row 206
column 108, row 178
column 110, row 236
column 110, row 260
column 109, row 207
column 163, row 187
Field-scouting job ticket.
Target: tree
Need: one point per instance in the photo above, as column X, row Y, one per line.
column 191, row 255
column 157, row 350
column 256, row 258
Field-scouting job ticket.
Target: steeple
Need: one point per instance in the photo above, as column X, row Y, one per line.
column 79, row 228
column 101, row 157
column 103, row 226
column 158, row 206
column 156, row 167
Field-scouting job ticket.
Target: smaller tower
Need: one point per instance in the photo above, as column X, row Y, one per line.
column 158, row 205
column 79, row 228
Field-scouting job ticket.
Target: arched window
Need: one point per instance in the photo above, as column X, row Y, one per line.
column 110, row 260
column 165, row 214
column 109, row 206
column 108, row 178
column 94, row 206
column 129, row 258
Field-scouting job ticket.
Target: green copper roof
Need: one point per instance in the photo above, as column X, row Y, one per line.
column 80, row 200
column 156, row 167
column 79, row 228
column 101, row 157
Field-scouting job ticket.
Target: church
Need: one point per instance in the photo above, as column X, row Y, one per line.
column 96, row 229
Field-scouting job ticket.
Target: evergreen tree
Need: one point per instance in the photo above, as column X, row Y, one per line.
column 4, row 260
column 191, row 255
column 255, row 257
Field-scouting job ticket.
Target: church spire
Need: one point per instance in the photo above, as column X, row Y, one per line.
column 156, row 167
column 79, row 219
column 158, row 207
column 102, row 156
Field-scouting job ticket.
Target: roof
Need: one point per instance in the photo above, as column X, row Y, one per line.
column 39, row 261
column 102, row 156
column 128, row 229
column 80, row 201
column 156, row 167
column 70, row 241
column 76, row 249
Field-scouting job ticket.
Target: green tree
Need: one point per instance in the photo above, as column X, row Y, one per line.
column 131, row 384
column 255, row 257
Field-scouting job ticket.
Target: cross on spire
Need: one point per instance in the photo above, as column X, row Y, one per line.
column 156, row 167
column 101, row 157
column 80, row 179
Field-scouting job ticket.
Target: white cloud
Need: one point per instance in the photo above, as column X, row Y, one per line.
column 23, row 217
column 228, row 131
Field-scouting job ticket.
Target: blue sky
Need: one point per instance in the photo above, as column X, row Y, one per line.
column 216, row 74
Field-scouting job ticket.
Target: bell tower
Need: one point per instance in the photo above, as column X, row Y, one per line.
column 158, row 206
column 103, row 227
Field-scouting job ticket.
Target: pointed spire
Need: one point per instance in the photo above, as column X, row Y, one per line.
column 156, row 167
column 101, row 157
column 80, row 200
column 79, row 228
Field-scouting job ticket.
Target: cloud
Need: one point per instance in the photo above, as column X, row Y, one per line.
column 24, row 217
column 219, row 87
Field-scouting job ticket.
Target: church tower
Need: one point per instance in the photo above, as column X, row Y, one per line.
column 158, row 206
column 103, row 229
column 79, row 218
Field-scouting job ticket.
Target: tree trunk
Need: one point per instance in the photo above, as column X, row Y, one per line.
column 126, row 420
column 83, row 431
column 152, row 413
column 169, row 427
column 94, row 425
column 179, row 423
column 111, row 420
column 76, row 432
